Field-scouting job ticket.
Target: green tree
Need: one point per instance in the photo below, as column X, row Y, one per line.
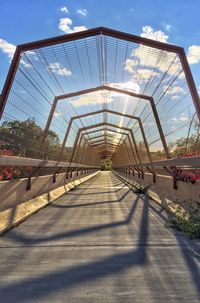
column 23, row 138
column 106, row 164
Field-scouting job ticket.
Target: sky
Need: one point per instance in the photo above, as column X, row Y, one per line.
column 175, row 22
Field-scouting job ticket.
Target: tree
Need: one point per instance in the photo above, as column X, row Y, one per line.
column 51, row 146
column 190, row 143
column 106, row 164
column 23, row 139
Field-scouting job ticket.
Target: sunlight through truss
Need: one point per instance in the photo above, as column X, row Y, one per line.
column 98, row 94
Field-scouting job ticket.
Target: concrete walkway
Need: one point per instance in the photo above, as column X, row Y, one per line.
column 99, row 243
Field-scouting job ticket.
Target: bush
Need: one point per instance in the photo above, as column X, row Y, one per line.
column 188, row 223
column 141, row 189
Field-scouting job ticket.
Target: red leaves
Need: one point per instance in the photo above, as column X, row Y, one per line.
column 6, row 152
column 9, row 172
column 185, row 175
column 189, row 154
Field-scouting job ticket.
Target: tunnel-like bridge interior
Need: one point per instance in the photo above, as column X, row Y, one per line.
column 98, row 94
column 68, row 104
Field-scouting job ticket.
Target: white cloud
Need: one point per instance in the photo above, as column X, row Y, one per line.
column 92, row 99
column 64, row 9
column 100, row 97
column 175, row 97
column 184, row 118
column 148, row 58
column 82, row 12
column 139, row 74
column 167, row 27
column 7, row 48
column 193, row 54
column 79, row 28
column 129, row 85
column 148, row 32
column 144, row 74
column 171, row 90
column 57, row 114
column 174, row 120
column 130, row 65
column 65, row 25
column 59, row 70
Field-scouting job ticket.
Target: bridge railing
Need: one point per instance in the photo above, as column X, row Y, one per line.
column 39, row 183
column 29, row 168
column 180, row 169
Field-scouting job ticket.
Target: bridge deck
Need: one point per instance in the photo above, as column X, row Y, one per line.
column 99, row 243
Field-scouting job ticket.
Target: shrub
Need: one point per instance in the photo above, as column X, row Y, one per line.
column 188, row 223
column 141, row 189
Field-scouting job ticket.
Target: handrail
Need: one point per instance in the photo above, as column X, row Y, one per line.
column 192, row 162
column 19, row 161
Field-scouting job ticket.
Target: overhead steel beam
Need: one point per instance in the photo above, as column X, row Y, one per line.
column 112, row 89
column 96, row 137
column 94, row 126
column 94, row 32
column 133, row 140
column 96, row 141
column 115, row 113
column 108, row 129
column 103, row 142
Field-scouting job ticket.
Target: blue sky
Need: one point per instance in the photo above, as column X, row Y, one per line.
column 176, row 22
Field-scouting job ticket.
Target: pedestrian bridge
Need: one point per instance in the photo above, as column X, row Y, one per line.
column 71, row 107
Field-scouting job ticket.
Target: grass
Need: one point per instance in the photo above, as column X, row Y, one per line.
column 139, row 189
column 74, row 188
column 186, row 222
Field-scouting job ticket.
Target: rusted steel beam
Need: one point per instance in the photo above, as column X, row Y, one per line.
column 90, row 127
column 108, row 130
column 162, row 136
column 113, row 112
column 127, row 152
column 100, row 140
column 9, row 79
column 150, row 99
column 93, row 32
column 46, row 130
column 190, row 81
column 103, row 87
column 152, row 171
column 19, row 161
column 127, row 116
column 102, row 143
column 102, row 135
column 103, row 129
column 100, row 31
column 192, row 162
column 132, row 94
column 113, row 125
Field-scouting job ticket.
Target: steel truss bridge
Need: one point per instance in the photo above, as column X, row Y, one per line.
column 69, row 103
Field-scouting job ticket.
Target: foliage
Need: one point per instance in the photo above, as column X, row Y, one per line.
column 190, row 143
column 139, row 189
column 74, row 188
column 187, row 222
column 23, row 138
column 106, row 164
column 9, row 172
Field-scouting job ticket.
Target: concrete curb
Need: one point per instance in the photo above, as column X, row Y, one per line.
column 19, row 213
